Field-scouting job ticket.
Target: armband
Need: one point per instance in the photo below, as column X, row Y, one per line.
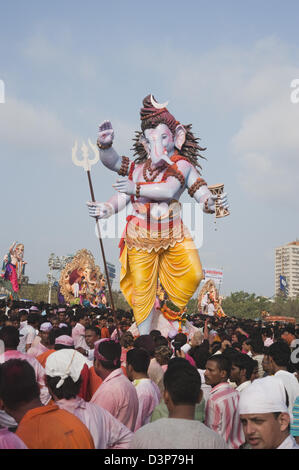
column 123, row 171
column 195, row 186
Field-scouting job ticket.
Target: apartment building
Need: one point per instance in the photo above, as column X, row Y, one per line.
column 287, row 265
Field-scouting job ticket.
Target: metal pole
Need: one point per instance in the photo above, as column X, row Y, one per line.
column 50, row 286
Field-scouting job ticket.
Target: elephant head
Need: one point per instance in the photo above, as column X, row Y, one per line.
column 162, row 135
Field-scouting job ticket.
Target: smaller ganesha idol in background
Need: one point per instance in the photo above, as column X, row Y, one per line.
column 81, row 279
column 13, row 269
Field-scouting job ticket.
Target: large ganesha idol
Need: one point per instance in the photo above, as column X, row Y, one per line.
column 81, row 281
column 156, row 245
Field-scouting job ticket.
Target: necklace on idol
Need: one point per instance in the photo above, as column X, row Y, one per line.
column 153, row 173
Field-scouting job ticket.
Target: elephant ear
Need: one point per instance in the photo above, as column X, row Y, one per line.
column 143, row 141
column 179, row 136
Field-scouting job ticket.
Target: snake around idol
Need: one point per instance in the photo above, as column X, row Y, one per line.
column 156, row 246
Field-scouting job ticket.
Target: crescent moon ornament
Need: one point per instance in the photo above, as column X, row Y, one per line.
column 158, row 105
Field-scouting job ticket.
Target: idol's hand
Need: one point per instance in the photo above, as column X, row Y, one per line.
column 100, row 210
column 125, row 186
column 222, row 201
column 106, row 135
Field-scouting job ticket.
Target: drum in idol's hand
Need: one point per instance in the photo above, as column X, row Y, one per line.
column 217, row 190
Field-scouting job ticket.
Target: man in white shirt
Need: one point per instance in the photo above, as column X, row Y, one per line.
column 264, row 415
column 137, row 364
column 279, row 357
column 242, row 367
column 28, row 332
column 92, row 335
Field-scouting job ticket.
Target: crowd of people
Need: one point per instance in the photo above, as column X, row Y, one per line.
column 77, row 378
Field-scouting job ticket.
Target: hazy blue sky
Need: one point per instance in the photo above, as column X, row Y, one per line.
column 225, row 66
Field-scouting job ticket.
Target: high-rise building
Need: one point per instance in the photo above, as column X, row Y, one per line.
column 287, row 265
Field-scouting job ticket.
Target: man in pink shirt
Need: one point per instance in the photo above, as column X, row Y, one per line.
column 148, row 392
column 155, row 371
column 78, row 332
column 43, row 345
column 116, row 393
column 221, row 413
column 10, row 337
column 9, row 440
column 63, row 378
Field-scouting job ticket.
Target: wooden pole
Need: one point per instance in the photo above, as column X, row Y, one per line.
column 103, row 255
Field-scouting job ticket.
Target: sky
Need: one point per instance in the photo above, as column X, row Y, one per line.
column 226, row 67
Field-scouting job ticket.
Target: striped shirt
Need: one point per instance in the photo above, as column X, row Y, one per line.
column 295, row 423
column 222, row 414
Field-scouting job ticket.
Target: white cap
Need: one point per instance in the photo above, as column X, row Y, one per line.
column 266, row 395
column 47, row 326
column 65, row 363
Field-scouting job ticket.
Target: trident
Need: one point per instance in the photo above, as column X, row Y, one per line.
column 86, row 164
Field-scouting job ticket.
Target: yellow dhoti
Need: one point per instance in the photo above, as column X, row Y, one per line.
column 178, row 268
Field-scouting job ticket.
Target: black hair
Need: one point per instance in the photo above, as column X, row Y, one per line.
column 200, row 355
column 160, row 341
column 280, row 353
column 257, row 344
column 64, row 330
column 52, row 336
column 69, row 389
column 243, row 361
column 10, row 336
column 267, row 331
column 111, row 352
column 95, row 329
column 155, row 333
column 216, row 346
column 241, row 338
column 33, row 318
column 139, row 359
column 18, row 383
column 180, row 338
column 237, row 346
column 23, row 312
column 222, row 361
column 14, row 317
column 145, row 342
column 80, row 315
column 288, row 329
column 58, row 347
column 182, row 381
